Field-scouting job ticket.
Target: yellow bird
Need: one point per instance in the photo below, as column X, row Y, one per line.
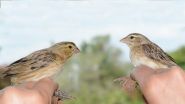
column 39, row 64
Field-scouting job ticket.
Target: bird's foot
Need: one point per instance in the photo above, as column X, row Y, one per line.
column 127, row 83
column 123, row 80
column 62, row 95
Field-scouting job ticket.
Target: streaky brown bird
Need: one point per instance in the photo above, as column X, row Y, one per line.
column 145, row 52
column 40, row 64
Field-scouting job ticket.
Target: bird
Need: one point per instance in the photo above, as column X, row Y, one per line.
column 145, row 52
column 40, row 64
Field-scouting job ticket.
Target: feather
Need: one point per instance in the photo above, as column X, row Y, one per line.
column 155, row 53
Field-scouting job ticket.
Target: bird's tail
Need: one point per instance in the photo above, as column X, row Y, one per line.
column 2, row 70
column 4, row 81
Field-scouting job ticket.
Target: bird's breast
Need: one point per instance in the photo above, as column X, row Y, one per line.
column 138, row 58
column 36, row 75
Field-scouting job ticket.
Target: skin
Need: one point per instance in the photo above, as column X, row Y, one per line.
column 162, row 87
column 40, row 92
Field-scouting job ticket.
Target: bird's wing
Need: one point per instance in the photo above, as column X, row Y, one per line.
column 35, row 61
column 154, row 52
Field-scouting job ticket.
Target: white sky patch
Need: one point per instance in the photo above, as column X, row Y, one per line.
column 29, row 25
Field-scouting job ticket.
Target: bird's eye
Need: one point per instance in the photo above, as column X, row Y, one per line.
column 70, row 47
column 132, row 37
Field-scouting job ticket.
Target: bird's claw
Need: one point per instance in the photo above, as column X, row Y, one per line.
column 127, row 84
column 122, row 80
column 62, row 95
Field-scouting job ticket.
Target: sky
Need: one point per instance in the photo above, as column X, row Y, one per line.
column 29, row 25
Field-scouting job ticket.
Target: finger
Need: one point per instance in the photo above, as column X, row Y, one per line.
column 47, row 85
column 55, row 100
column 141, row 73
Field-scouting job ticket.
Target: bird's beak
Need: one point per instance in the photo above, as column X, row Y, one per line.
column 76, row 50
column 124, row 40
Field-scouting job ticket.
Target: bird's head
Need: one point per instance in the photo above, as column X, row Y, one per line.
column 135, row 39
column 66, row 49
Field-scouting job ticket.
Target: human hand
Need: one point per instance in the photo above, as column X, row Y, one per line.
column 164, row 87
column 40, row 92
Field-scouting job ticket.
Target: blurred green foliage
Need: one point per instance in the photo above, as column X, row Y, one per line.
column 179, row 56
column 89, row 75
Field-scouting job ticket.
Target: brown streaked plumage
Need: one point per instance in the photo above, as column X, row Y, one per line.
column 40, row 64
column 145, row 52
column 43, row 63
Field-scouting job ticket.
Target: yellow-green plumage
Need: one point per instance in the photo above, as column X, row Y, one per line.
column 43, row 63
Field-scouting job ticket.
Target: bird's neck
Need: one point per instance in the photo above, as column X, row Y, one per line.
column 133, row 46
column 63, row 57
